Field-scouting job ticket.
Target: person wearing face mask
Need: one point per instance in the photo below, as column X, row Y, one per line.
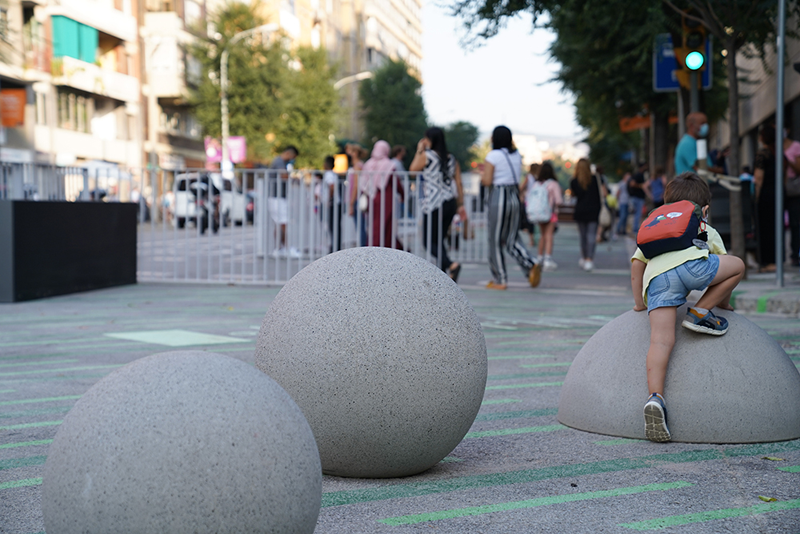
column 686, row 151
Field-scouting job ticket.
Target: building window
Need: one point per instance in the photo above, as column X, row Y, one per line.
column 3, row 24
column 73, row 39
column 41, row 109
column 74, row 111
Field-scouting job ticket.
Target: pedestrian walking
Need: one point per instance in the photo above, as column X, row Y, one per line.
column 765, row 182
column 588, row 192
column 442, row 195
column 622, row 202
column 637, row 195
column 332, row 203
column 791, row 150
column 501, row 172
column 278, row 203
column 379, row 181
column 654, row 187
column 525, row 224
column 542, row 199
column 356, row 155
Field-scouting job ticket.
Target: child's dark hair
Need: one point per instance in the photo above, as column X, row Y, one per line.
column 329, row 162
column 688, row 186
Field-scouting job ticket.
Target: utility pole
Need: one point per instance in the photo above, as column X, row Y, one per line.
column 226, row 166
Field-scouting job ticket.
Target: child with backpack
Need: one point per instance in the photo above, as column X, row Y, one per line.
column 678, row 252
column 541, row 204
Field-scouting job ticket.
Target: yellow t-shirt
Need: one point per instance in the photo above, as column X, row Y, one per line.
column 670, row 260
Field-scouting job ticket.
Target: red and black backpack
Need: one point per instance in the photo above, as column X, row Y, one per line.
column 671, row 227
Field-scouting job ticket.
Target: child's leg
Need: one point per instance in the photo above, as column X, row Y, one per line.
column 729, row 274
column 662, row 339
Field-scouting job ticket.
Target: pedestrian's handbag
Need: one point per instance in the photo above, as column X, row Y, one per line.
column 363, row 202
column 793, row 186
column 605, row 213
column 669, row 228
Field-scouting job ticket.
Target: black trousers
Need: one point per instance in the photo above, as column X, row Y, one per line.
column 439, row 232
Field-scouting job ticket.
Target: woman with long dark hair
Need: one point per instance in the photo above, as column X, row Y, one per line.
column 442, row 195
column 501, row 172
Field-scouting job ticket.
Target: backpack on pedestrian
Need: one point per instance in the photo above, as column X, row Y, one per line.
column 537, row 203
column 671, row 227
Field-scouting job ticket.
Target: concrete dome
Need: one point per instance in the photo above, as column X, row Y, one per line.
column 183, row 442
column 384, row 355
column 737, row 388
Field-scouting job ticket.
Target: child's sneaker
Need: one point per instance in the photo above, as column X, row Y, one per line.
column 705, row 324
column 655, row 419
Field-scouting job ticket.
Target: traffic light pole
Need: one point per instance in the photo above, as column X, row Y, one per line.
column 694, row 93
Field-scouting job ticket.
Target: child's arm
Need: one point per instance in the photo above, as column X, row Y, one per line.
column 637, row 281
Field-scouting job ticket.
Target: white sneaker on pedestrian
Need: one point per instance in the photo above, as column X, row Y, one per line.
column 581, row 263
column 278, row 253
column 549, row 264
column 538, row 259
column 294, row 253
column 588, row 265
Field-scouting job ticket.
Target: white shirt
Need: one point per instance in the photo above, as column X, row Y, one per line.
column 503, row 174
column 329, row 178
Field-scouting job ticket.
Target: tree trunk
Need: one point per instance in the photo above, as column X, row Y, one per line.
column 737, row 226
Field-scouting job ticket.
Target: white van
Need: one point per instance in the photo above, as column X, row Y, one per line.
column 185, row 208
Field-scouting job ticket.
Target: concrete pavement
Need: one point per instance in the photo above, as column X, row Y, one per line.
column 518, row 470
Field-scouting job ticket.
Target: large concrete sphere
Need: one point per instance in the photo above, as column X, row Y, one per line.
column 183, row 442
column 737, row 388
column 384, row 355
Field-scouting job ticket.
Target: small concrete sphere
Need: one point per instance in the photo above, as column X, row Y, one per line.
column 183, row 442
column 740, row 387
column 384, row 355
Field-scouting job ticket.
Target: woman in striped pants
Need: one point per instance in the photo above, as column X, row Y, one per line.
column 501, row 171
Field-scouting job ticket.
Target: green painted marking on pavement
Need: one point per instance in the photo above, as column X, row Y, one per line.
column 557, row 364
column 45, row 399
column 712, row 515
column 418, row 489
column 622, row 441
column 516, row 415
column 7, row 390
column 524, row 375
column 21, row 483
column 734, row 294
column 176, row 338
column 14, row 463
column 529, row 503
column 790, row 469
column 65, row 370
column 26, row 444
column 499, row 401
column 513, row 431
column 31, row 413
column 450, row 459
column 761, row 303
column 525, row 357
column 31, row 425
column 534, row 385
column 23, row 364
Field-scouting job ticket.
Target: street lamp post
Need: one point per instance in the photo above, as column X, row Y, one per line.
column 348, row 80
column 226, row 166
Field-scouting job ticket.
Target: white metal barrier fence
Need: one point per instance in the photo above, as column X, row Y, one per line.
column 263, row 226
column 36, row 181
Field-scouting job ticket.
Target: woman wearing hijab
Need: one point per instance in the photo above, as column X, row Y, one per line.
column 380, row 183
column 442, row 195
column 501, row 171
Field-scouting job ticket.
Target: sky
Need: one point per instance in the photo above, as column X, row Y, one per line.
column 505, row 81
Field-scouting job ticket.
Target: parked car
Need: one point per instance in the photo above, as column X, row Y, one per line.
column 232, row 201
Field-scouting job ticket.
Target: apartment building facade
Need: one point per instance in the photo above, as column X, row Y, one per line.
column 69, row 81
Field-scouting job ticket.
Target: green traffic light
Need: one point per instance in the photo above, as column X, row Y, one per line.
column 695, row 60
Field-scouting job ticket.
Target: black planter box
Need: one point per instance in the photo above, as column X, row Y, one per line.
column 55, row 248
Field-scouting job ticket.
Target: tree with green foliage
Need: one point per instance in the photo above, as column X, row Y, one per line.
column 461, row 137
column 393, row 107
column 276, row 97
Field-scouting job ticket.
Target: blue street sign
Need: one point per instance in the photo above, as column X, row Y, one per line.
column 665, row 65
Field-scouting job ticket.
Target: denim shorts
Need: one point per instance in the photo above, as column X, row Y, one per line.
column 672, row 287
